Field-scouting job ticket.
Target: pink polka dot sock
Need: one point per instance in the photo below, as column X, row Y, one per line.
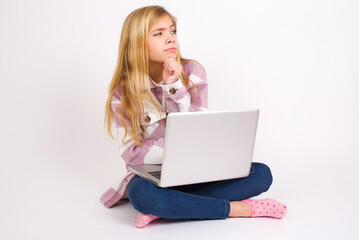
column 266, row 208
column 142, row 219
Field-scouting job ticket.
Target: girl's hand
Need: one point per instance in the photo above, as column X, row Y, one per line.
column 171, row 71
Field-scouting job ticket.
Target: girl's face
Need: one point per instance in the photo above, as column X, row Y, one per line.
column 162, row 41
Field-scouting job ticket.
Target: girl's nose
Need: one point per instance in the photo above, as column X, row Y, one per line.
column 170, row 39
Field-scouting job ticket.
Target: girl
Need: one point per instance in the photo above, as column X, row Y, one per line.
column 151, row 80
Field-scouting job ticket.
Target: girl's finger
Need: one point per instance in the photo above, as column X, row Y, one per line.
column 171, row 62
column 166, row 61
column 165, row 64
column 169, row 66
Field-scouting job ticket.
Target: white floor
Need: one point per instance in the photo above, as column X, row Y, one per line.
column 63, row 204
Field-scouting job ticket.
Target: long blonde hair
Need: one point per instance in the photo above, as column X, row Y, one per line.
column 132, row 74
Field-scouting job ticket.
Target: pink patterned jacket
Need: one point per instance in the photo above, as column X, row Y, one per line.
column 172, row 98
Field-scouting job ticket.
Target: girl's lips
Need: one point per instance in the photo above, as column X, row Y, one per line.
column 171, row 50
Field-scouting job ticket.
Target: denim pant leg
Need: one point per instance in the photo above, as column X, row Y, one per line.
column 258, row 181
column 199, row 201
column 172, row 204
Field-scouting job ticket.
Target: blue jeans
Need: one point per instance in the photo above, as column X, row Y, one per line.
column 198, row 201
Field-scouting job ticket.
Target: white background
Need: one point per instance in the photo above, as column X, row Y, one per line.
column 297, row 61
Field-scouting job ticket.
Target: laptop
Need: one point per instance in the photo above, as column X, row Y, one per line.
column 203, row 147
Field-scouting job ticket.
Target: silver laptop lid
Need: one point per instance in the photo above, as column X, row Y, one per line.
column 208, row 146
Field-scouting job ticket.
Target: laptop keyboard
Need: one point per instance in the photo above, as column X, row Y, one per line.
column 156, row 174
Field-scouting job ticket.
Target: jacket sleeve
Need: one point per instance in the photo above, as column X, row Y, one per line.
column 150, row 152
column 178, row 99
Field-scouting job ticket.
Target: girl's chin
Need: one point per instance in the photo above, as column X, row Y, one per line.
column 164, row 58
column 171, row 55
column 170, row 52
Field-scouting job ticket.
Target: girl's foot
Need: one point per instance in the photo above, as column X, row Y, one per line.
column 266, row 208
column 142, row 219
column 239, row 209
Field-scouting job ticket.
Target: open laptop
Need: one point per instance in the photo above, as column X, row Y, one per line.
column 203, row 147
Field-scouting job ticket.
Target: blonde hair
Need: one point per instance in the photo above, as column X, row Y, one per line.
column 132, row 74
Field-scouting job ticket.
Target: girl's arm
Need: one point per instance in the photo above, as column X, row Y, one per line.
column 150, row 152
column 178, row 99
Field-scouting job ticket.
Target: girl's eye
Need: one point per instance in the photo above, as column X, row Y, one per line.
column 160, row 33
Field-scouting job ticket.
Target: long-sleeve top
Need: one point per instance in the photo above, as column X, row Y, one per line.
column 172, row 98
